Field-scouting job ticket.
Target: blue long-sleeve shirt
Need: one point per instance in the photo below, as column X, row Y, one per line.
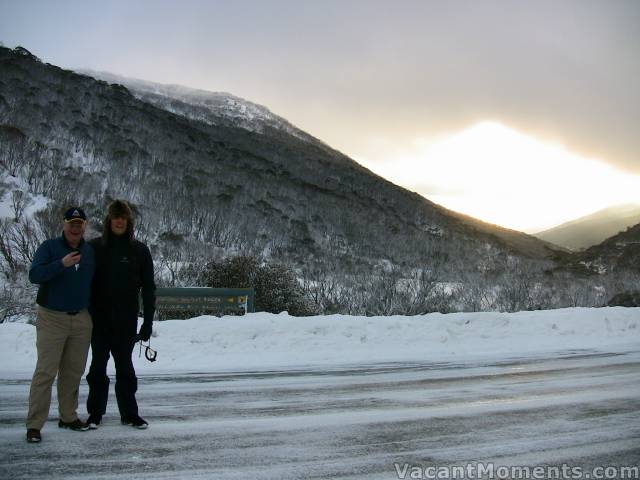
column 65, row 289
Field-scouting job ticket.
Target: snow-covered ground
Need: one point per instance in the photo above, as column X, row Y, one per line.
column 277, row 397
column 267, row 341
column 17, row 184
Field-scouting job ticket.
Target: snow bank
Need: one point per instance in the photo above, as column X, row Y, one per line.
column 265, row 341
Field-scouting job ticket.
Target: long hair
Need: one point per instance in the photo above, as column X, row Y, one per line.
column 118, row 209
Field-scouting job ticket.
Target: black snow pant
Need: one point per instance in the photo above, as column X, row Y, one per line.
column 120, row 347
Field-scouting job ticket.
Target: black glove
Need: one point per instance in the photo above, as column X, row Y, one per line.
column 145, row 331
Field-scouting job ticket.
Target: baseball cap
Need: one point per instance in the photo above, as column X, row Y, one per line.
column 75, row 214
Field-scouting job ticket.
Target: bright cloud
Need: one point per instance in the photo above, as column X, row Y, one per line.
column 502, row 176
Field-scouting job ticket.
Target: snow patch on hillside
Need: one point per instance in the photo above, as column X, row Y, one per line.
column 32, row 203
column 241, row 113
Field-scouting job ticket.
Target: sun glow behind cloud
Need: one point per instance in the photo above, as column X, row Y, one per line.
column 505, row 177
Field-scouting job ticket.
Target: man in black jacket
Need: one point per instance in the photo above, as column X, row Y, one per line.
column 123, row 268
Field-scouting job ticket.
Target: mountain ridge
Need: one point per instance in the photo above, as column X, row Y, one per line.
column 150, row 91
column 592, row 229
column 239, row 111
column 201, row 190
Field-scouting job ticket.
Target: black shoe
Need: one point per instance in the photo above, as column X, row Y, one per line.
column 135, row 421
column 94, row 421
column 77, row 425
column 33, row 435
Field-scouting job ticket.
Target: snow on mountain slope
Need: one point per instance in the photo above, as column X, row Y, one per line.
column 214, row 108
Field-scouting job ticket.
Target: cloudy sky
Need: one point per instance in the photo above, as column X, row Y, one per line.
column 522, row 113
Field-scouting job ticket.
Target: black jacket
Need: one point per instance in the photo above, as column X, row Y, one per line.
column 123, row 268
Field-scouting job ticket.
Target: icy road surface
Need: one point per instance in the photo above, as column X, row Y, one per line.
column 578, row 408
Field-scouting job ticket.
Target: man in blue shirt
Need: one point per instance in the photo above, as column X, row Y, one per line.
column 63, row 267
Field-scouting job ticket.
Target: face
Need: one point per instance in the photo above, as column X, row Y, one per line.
column 118, row 225
column 73, row 231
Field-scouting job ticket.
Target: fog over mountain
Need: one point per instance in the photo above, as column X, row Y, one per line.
column 592, row 229
column 211, row 175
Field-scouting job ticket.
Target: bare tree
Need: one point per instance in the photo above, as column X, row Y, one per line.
column 19, row 201
column 16, row 300
column 10, row 261
column 12, row 148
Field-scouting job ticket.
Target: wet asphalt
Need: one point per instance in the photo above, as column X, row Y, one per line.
column 578, row 408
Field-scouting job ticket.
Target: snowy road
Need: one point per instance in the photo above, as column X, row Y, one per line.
column 579, row 408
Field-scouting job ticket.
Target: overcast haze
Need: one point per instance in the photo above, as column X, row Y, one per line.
column 372, row 78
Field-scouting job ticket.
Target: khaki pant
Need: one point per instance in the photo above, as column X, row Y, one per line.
column 63, row 345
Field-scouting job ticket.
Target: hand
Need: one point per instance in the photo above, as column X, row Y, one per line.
column 71, row 259
column 145, row 331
